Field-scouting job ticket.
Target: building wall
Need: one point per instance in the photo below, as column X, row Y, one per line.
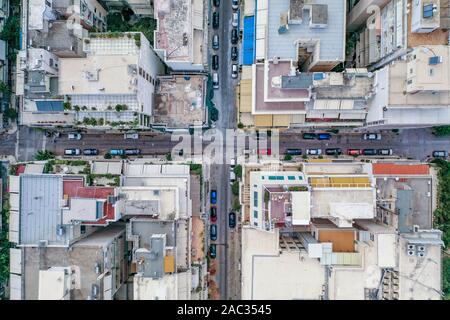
column 152, row 64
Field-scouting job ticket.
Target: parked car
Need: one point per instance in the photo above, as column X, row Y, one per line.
column 235, row 19
column 385, row 152
column 90, row 152
column 333, row 151
column 232, row 176
column 216, row 3
column 314, row 152
column 213, row 197
column 215, row 20
column 131, row 136
column 215, row 42
column 235, row 4
column 440, row 154
column 72, row 152
column 369, row 152
column 74, row 136
column 353, row 152
column 116, row 152
column 213, row 232
column 234, row 71
column 232, row 219
column 234, row 36
column 324, row 136
column 215, row 62
column 294, row 152
column 309, row 136
column 234, row 53
column 213, row 214
column 372, row 136
column 212, row 251
column 133, row 152
column 215, row 80
column 264, row 152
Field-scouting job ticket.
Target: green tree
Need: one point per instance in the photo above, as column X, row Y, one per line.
column 11, row 114
column 441, row 131
column 44, row 155
column 238, row 171
column 446, row 277
column 235, row 188
column 11, row 31
column 240, row 125
column 287, row 157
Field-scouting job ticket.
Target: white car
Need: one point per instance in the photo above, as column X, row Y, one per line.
column 131, row 136
column 72, row 152
column 74, row 136
column 314, row 152
column 372, row 136
column 235, row 19
column 235, row 4
column 234, row 71
column 215, row 80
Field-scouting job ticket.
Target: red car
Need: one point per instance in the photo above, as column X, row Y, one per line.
column 354, row 152
column 264, row 152
column 213, row 214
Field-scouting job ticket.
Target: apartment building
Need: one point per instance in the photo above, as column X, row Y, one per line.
column 290, row 50
column 157, row 199
column 320, row 223
column 413, row 92
column 61, row 230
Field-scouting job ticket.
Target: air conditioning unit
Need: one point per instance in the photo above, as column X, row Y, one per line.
column 411, row 253
column 421, row 248
column 411, row 247
column 421, row 254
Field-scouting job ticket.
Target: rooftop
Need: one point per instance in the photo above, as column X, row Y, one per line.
column 400, row 169
column 331, row 37
column 262, row 107
column 175, row 33
column 180, row 101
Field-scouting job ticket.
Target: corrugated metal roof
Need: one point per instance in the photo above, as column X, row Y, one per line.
column 400, row 169
column 248, row 47
column 331, row 37
column 40, row 210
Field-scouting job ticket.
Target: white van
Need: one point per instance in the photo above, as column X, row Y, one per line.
column 235, row 19
column 215, row 80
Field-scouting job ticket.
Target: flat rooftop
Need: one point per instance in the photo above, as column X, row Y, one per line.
column 174, row 33
column 412, row 203
column 272, row 107
column 180, row 101
column 331, row 37
column 283, row 68
column 98, row 75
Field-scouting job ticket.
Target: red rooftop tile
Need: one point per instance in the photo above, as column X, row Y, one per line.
column 400, row 169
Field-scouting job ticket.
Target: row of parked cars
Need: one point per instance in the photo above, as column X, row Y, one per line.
column 94, row 152
column 216, row 43
column 338, row 151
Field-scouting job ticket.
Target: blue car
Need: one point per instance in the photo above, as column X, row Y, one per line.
column 116, row 152
column 213, row 232
column 324, row 136
column 213, row 196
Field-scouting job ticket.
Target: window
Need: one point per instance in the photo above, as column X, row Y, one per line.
column 140, row 71
column 255, row 199
column 255, row 214
column 431, row 72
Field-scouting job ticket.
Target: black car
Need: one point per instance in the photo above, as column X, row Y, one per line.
column 215, row 62
column 369, row 152
column 309, row 136
column 294, row 152
column 234, row 53
column 216, row 3
column 234, row 36
column 90, row 152
column 232, row 220
column 215, row 20
column 132, row 152
column 212, row 251
column 333, row 151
